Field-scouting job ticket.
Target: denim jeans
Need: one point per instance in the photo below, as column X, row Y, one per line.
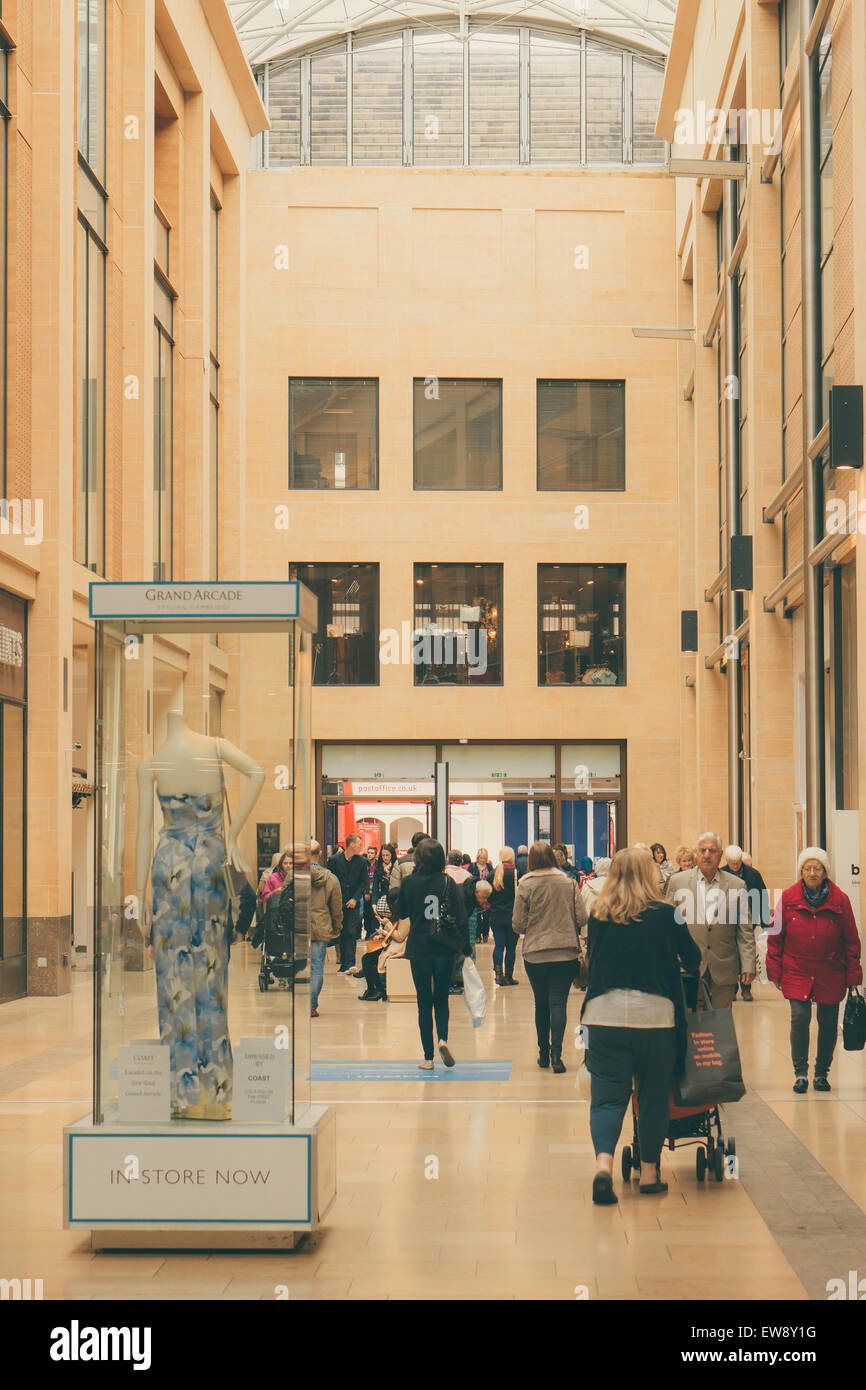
column 613, row 1057
column 506, row 945
column 828, row 1028
column 432, row 979
column 317, row 970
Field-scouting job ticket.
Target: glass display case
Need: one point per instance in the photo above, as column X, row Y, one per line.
column 202, row 955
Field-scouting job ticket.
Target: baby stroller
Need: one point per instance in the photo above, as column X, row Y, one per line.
column 696, row 1124
column 276, row 935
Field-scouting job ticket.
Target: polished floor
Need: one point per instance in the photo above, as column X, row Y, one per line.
column 509, row 1214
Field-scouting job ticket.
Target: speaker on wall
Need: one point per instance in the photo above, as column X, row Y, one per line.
column 846, row 427
column 740, row 573
column 689, row 629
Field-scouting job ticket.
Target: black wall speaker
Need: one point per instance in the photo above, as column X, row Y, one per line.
column 846, row 427
column 689, row 629
column 740, row 574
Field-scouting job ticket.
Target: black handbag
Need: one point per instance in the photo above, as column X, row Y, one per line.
column 712, row 1073
column 854, row 1022
column 443, row 929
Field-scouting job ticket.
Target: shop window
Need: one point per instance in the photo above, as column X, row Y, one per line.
column 581, row 436
column 346, row 643
column 333, row 433
column 458, row 434
column 581, row 625
column 91, row 84
column 457, row 636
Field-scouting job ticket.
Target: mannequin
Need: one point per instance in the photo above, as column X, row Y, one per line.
column 186, row 931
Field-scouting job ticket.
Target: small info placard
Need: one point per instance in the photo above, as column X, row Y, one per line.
column 144, row 1081
column 261, row 1081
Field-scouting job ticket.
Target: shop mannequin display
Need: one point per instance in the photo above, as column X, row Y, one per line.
column 186, row 930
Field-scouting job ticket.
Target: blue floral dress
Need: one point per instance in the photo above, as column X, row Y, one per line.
column 191, row 955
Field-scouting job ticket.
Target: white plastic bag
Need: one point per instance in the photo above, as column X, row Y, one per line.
column 474, row 992
column 583, row 1082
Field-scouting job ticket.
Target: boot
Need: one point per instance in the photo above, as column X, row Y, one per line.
column 510, row 980
column 556, row 1060
column 544, row 1055
column 500, row 975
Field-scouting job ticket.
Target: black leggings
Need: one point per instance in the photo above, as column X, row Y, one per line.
column 550, row 982
column 432, row 980
column 370, row 966
column 616, row 1058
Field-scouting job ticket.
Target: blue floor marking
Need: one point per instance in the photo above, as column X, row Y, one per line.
column 409, row 1071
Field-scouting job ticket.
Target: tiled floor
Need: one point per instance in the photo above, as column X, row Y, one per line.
column 509, row 1215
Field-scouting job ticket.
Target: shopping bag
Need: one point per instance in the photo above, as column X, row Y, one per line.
column 712, row 1073
column 854, row 1022
column 474, row 992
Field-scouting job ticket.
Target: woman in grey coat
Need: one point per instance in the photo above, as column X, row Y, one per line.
column 548, row 914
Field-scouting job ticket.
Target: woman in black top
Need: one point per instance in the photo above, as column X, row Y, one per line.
column 432, row 914
column 501, row 912
column 382, row 872
column 634, row 1014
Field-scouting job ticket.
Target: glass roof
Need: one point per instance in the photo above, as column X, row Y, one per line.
column 269, row 28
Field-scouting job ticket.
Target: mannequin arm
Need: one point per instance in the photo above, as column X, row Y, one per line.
column 144, row 842
column 241, row 762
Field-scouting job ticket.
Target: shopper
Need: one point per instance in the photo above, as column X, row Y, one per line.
column 521, row 863
column 326, row 922
column 482, row 868
column 368, row 917
column 716, row 908
column 633, row 1013
column 501, row 909
column 382, row 875
column 813, row 955
column 666, row 868
column 276, row 878
column 684, row 858
column 593, row 886
column 401, row 870
column 350, row 867
column 476, row 896
column 549, row 914
column 584, row 871
column 562, row 861
column 374, row 978
column 455, row 870
column 432, row 921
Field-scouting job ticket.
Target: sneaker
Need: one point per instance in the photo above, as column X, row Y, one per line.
column 801, row 1086
column 314, row 1013
column 445, row 1054
column 821, row 1084
column 426, row 1065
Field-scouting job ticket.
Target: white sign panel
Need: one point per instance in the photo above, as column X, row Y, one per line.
column 144, row 1081
column 224, row 600
column 187, row 1179
column 260, row 1081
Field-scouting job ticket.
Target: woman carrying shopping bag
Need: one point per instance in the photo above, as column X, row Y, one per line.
column 813, row 955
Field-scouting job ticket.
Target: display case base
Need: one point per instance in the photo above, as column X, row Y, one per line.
column 186, row 1185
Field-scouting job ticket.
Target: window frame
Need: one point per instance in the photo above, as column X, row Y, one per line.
column 357, row 381
column 576, row 382
column 548, row 565
column 461, row 564
column 457, row 380
column 375, row 567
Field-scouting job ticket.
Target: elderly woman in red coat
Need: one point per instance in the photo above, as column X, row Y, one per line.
column 813, row 954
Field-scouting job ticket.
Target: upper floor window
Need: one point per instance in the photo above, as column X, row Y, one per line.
column 581, row 624
column 457, row 637
column 346, row 644
column 581, row 436
column 333, row 432
column 458, row 434
column 91, row 84
column 504, row 97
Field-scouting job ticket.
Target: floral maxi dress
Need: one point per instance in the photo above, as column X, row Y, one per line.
column 191, row 955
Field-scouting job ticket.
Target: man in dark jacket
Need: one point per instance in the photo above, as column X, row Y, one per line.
column 759, row 899
column 351, row 869
column 521, row 863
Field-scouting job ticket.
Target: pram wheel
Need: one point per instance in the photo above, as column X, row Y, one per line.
column 263, row 981
column 718, row 1165
column 731, row 1146
column 701, row 1163
column 627, row 1163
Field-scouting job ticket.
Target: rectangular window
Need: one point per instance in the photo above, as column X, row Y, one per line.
column 494, row 99
column 438, row 99
column 333, row 432
column 581, row 436
column 846, row 677
column 163, row 432
column 603, row 105
column 648, row 81
column 825, row 170
column 91, row 84
column 581, row 625
column 554, row 119
column 377, row 103
column 90, row 348
column 284, row 111
column 458, row 434
column 457, row 638
column 328, row 109
column 346, row 644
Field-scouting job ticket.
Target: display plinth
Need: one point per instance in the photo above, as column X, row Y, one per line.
column 187, row 1185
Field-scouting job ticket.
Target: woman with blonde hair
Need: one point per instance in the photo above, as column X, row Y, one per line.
column 501, row 911
column 684, row 858
column 634, row 1014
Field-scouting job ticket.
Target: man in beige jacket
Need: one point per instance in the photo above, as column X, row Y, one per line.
column 326, row 921
column 715, row 906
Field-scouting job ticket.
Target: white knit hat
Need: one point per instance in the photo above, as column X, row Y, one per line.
column 813, row 852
